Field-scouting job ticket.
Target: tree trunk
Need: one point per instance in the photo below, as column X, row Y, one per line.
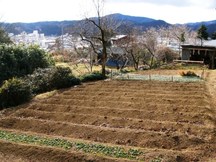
column 104, row 59
column 136, row 65
column 151, row 64
column 103, row 69
column 201, row 41
column 91, row 61
column 135, row 62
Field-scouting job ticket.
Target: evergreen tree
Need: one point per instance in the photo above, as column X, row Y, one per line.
column 4, row 38
column 182, row 37
column 202, row 33
column 213, row 36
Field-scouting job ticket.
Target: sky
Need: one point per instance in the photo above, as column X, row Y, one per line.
column 171, row 11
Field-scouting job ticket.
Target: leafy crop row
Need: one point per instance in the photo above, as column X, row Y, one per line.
column 112, row 151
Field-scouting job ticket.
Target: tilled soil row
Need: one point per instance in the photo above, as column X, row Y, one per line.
column 138, row 89
column 134, row 93
column 122, row 136
column 124, row 94
column 131, row 98
column 142, row 84
column 128, row 104
column 119, row 122
column 119, row 108
column 140, row 114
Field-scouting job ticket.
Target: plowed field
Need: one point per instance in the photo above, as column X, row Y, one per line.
column 166, row 121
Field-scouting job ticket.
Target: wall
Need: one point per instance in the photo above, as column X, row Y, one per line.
column 185, row 54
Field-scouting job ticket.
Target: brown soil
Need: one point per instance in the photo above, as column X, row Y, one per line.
column 173, row 120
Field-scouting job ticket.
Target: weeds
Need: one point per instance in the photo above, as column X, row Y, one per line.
column 188, row 73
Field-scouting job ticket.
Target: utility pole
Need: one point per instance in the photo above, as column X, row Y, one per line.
column 62, row 40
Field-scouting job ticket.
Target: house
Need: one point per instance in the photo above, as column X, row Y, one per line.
column 117, row 57
column 205, row 54
column 118, row 39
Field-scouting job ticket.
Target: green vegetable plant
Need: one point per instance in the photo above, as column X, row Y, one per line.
column 111, row 151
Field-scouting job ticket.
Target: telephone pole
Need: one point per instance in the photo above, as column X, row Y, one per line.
column 62, row 40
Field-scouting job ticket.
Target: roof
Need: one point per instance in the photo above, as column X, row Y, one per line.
column 117, row 50
column 113, row 50
column 210, row 43
column 117, row 37
column 198, row 47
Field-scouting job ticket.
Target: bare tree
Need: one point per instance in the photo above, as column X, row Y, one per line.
column 165, row 54
column 97, row 32
column 133, row 46
column 192, row 38
column 179, row 33
column 86, row 56
column 150, row 43
column 164, row 35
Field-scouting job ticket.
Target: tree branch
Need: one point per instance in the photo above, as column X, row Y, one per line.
column 89, row 41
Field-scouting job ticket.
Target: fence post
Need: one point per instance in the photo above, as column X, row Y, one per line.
column 203, row 74
column 149, row 76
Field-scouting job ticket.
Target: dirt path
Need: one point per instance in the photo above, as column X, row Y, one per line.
column 211, row 87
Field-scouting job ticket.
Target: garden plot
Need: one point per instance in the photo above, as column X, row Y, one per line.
column 115, row 121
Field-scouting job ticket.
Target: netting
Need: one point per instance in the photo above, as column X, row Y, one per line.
column 174, row 78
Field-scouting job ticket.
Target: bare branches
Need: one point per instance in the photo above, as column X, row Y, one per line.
column 95, row 24
column 150, row 40
column 91, row 43
column 179, row 33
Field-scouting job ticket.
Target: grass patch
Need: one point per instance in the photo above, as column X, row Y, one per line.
column 79, row 69
column 112, row 151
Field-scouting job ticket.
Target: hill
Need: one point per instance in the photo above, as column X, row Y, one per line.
column 55, row 27
column 211, row 25
column 48, row 27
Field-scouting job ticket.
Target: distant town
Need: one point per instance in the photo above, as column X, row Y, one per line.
column 69, row 42
column 47, row 42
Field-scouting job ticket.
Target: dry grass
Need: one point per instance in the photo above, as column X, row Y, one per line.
column 45, row 95
column 79, row 69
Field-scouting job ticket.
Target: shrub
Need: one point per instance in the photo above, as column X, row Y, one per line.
column 14, row 92
column 18, row 61
column 166, row 55
column 188, row 73
column 63, row 78
column 92, row 77
column 43, row 80
column 40, row 80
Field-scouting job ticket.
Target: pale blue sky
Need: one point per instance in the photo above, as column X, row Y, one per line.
column 172, row 11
